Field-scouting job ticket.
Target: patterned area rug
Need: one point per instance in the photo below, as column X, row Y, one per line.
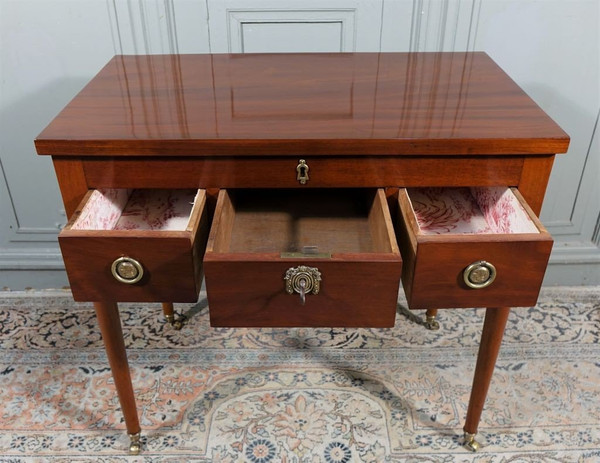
column 299, row 395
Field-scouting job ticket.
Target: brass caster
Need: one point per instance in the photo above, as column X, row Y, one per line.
column 135, row 446
column 470, row 443
column 176, row 323
column 431, row 323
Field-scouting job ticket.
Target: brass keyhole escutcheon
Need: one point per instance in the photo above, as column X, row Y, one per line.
column 479, row 274
column 127, row 270
column 302, row 172
column 302, row 280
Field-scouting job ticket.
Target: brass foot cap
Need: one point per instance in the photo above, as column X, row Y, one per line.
column 470, row 443
column 176, row 323
column 135, row 446
column 432, row 324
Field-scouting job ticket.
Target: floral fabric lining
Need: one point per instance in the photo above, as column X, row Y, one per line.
column 121, row 209
column 102, row 210
column 469, row 211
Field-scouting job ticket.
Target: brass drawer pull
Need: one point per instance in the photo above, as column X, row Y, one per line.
column 302, row 172
column 479, row 274
column 127, row 270
column 302, row 280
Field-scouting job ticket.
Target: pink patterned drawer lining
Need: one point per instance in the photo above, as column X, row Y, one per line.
column 121, row 209
column 475, row 210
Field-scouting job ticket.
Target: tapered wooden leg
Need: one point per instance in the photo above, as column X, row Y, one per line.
column 431, row 322
column 489, row 347
column 169, row 313
column 112, row 334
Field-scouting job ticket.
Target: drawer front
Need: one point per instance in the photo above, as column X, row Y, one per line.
column 452, row 270
column 246, row 282
column 351, row 294
column 102, row 264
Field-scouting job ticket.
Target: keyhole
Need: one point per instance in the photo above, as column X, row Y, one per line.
column 302, row 170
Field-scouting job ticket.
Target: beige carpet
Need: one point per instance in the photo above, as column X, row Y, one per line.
column 299, row 395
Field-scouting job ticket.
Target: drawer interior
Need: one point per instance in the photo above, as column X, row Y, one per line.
column 474, row 210
column 302, row 221
column 143, row 209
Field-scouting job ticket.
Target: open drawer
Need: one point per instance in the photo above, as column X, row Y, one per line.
column 136, row 245
column 302, row 258
column 470, row 247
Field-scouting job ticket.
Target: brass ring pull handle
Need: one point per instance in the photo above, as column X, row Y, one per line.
column 302, row 280
column 479, row 274
column 127, row 270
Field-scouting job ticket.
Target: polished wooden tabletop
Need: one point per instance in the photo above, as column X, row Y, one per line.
column 299, row 104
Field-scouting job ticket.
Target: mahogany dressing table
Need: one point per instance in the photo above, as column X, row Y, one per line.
column 304, row 187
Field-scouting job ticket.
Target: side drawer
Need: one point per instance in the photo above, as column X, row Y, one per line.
column 136, row 245
column 470, row 247
column 265, row 243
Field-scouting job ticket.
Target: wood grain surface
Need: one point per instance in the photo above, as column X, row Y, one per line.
column 300, row 104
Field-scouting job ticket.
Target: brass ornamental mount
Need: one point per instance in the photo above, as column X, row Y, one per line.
column 303, row 280
column 479, row 274
column 127, row 270
column 302, row 172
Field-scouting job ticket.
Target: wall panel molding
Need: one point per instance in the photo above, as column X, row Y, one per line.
column 7, row 206
column 584, row 213
column 237, row 26
column 143, row 27
column 239, row 20
column 444, row 25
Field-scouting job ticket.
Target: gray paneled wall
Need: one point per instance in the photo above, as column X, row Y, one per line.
column 50, row 49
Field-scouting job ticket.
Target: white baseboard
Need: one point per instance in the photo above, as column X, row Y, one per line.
column 574, row 264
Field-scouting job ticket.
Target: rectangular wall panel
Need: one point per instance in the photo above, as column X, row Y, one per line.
column 243, row 26
column 291, row 36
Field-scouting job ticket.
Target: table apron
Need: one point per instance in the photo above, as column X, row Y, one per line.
column 280, row 172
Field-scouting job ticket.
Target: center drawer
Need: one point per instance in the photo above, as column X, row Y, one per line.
column 470, row 247
column 267, row 247
column 136, row 245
